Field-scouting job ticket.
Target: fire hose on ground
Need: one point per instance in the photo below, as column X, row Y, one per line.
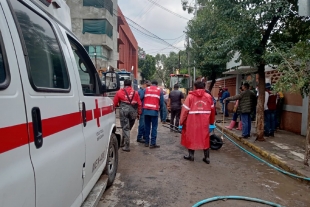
column 208, row 200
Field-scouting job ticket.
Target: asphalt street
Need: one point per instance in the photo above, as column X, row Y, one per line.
column 161, row 177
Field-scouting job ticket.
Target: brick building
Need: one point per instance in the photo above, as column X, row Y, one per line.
column 127, row 46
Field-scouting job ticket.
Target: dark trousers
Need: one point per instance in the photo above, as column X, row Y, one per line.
column 246, row 124
column 141, row 127
column 150, row 122
column 269, row 125
column 175, row 114
column 235, row 117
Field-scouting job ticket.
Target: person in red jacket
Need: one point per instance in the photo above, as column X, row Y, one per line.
column 130, row 108
column 198, row 112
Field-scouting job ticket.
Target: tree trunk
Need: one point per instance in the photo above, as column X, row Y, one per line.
column 307, row 149
column 213, row 78
column 260, row 104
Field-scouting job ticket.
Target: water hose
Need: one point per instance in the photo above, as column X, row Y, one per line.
column 267, row 163
column 208, row 200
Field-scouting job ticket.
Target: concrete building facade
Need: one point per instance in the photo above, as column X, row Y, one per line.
column 95, row 24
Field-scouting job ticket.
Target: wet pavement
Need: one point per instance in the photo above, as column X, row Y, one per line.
column 285, row 149
column 161, row 177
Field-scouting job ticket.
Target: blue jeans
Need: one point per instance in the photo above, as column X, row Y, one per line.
column 269, row 125
column 225, row 109
column 163, row 113
column 148, row 121
column 141, row 127
column 246, row 124
column 235, row 117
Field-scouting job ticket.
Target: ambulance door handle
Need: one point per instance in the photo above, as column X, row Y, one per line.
column 37, row 127
column 84, row 114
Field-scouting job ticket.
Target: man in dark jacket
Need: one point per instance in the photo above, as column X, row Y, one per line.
column 175, row 101
column 246, row 104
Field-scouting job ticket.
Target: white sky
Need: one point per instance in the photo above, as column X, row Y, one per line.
column 158, row 21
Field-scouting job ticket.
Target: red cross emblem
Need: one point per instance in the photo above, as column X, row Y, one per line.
column 97, row 113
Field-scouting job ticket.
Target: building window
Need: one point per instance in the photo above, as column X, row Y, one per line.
column 107, row 4
column 97, row 26
column 97, row 51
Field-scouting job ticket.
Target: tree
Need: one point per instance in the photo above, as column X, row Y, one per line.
column 252, row 28
column 147, row 67
column 202, row 32
column 171, row 63
column 296, row 78
column 161, row 74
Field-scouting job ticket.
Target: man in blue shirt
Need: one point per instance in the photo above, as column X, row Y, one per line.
column 225, row 95
column 140, row 137
column 153, row 101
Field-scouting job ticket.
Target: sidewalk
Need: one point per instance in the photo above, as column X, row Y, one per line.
column 285, row 150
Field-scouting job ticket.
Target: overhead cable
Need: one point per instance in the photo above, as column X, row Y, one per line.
column 164, row 8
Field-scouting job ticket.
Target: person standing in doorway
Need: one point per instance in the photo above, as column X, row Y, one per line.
column 219, row 96
column 196, row 116
column 130, row 109
column 246, row 104
column 140, row 137
column 153, row 101
column 175, row 101
column 225, row 95
column 270, row 107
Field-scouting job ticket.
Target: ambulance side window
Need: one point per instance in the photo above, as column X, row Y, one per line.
column 86, row 69
column 47, row 70
column 4, row 73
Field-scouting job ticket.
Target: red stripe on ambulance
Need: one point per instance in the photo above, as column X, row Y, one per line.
column 16, row 136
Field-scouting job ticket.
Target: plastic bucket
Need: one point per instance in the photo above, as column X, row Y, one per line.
column 211, row 128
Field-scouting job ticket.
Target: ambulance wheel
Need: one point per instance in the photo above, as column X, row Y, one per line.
column 112, row 160
column 215, row 142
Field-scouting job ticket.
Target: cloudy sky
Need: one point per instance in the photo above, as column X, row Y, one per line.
column 158, row 21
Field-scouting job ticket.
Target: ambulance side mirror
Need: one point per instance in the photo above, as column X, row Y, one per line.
column 110, row 82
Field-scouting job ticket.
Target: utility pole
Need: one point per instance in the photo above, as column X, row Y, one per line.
column 188, row 67
column 179, row 61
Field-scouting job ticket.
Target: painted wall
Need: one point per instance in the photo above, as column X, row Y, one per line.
column 295, row 110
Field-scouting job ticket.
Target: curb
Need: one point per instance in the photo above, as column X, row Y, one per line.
column 273, row 159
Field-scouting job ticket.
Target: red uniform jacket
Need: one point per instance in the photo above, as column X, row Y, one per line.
column 197, row 113
column 152, row 98
column 122, row 97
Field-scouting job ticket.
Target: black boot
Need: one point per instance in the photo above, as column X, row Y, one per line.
column 190, row 155
column 206, row 159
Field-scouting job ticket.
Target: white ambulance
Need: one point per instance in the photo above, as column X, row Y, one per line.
column 58, row 145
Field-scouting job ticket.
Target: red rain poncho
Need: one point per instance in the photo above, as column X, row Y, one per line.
column 197, row 114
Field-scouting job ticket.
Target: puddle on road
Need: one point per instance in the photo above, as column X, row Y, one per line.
column 296, row 193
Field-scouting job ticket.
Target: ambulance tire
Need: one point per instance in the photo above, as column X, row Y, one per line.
column 215, row 142
column 112, row 160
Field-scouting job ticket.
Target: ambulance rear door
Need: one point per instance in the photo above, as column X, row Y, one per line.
column 57, row 146
column 17, row 185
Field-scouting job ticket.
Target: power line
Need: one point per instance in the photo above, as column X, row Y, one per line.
column 154, row 36
column 147, row 33
column 164, row 8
